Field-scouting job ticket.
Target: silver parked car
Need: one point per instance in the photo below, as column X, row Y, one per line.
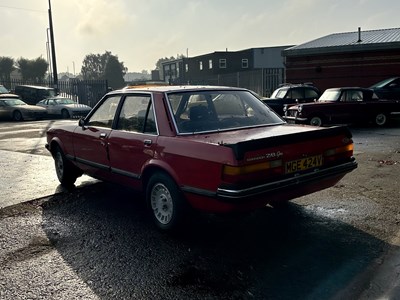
column 64, row 107
column 11, row 107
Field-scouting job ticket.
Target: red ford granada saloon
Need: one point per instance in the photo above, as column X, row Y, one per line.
column 212, row 149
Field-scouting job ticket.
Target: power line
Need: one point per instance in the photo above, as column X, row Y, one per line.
column 20, row 8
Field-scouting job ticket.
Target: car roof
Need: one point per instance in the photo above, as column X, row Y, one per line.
column 175, row 88
column 288, row 85
column 349, row 88
column 36, row 87
column 9, row 96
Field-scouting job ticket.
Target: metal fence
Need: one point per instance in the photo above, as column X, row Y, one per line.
column 87, row 92
column 261, row 81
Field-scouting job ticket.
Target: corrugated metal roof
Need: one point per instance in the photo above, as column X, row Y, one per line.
column 350, row 41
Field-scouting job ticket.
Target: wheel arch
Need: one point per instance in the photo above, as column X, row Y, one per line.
column 68, row 112
column 317, row 114
column 54, row 143
column 153, row 167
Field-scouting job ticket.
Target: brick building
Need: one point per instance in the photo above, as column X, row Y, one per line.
column 359, row 58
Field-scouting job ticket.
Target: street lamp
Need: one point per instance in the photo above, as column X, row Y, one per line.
column 53, row 50
column 48, row 54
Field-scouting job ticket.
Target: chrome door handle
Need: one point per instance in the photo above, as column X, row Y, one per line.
column 147, row 142
column 103, row 135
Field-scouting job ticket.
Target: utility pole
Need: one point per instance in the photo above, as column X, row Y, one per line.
column 53, row 50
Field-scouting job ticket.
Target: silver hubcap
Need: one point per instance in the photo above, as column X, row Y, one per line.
column 161, row 203
column 59, row 165
column 316, row 121
column 380, row 119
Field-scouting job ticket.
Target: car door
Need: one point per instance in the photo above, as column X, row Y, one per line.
column 134, row 139
column 4, row 112
column 51, row 107
column 91, row 140
column 350, row 107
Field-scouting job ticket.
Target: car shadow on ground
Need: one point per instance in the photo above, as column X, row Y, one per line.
column 108, row 239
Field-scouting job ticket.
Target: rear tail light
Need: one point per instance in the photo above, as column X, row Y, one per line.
column 339, row 152
column 234, row 174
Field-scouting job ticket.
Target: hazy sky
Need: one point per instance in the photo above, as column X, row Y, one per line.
column 140, row 32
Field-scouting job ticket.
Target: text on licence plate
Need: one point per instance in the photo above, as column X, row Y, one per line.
column 304, row 164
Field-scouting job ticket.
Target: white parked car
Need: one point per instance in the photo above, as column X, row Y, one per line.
column 64, row 107
column 11, row 107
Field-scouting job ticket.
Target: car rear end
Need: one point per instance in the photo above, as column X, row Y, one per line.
column 280, row 164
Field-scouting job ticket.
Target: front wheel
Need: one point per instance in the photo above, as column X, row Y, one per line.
column 65, row 114
column 17, row 116
column 381, row 119
column 316, row 121
column 166, row 202
column 66, row 172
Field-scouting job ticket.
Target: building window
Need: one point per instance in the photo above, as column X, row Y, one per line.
column 222, row 63
column 245, row 63
column 201, row 65
column 186, row 67
column 210, row 66
column 173, row 70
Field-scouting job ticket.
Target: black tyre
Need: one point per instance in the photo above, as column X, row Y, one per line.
column 67, row 173
column 381, row 119
column 166, row 203
column 281, row 205
column 17, row 116
column 316, row 121
column 65, row 114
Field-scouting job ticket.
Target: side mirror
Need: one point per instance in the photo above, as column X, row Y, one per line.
column 81, row 122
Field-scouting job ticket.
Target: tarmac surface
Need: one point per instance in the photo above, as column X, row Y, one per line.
column 29, row 177
column 26, row 176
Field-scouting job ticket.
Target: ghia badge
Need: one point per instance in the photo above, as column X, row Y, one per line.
column 266, row 156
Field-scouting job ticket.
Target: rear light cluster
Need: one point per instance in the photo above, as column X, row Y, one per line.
column 235, row 174
column 263, row 170
column 339, row 153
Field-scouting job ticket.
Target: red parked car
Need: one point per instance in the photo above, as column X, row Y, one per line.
column 345, row 106
column 213, row 149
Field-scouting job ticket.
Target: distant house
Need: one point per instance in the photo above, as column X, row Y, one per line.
column 359, row 58
column 226, row 68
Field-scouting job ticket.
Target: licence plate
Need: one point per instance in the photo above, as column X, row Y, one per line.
column 304, row 164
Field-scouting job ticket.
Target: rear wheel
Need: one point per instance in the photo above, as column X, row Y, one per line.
column 381, row 119
column 17, row 116
column 166, row 202
column 66, row 172
column 316, row 121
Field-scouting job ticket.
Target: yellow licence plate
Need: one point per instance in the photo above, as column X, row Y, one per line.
column 304, row 164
